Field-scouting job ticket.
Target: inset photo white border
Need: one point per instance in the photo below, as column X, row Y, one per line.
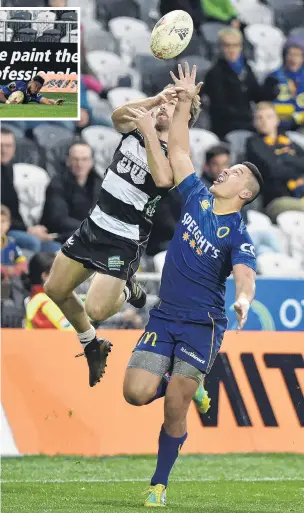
column 68, row 9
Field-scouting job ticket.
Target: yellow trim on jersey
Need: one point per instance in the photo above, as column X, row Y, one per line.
column 212, row 341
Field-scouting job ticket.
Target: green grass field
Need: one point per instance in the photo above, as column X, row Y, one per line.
column 35, row 110
column 199, row 484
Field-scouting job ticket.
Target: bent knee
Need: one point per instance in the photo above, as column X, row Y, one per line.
column 96, row 312
column 137, row 396
column 54, row 292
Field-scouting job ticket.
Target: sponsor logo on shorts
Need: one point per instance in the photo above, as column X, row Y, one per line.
column 147, row 337
column 70, row 242
column 192, row 355
column 114, row 263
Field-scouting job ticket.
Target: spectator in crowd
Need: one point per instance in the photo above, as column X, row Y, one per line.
column 33, row 238
column 70, row 195
column 290, row 77
column 193, row 7
column 86, row 114
column 280, row 161
column 231, row 86
column 13, row 262
column 41, row 312
column 217, row 159
column 221, row 11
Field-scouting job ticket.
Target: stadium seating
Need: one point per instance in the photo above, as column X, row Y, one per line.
column 27, row 34
column 200, row 141
column 279, row 265
column 104, row 141
column 107, row 66
column 44, row 21
column 68, row 16
column 106, row 11
column 30, row 183
column 250, row 13
column 50, row 36
column 28, row 152
column 96, row 38
column 237, row 140
column 120, row 95
column 210, row 35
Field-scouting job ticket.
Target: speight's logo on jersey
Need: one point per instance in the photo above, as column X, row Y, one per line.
column 137, row 168
column 197, row 242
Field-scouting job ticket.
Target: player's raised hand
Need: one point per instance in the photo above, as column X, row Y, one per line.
column 167, row 95
column 241, row 307
column 185, row 85
column 142, row 118
column 59, row 102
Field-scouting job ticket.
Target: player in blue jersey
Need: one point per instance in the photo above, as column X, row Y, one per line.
column 185, row 330
column 31, row 91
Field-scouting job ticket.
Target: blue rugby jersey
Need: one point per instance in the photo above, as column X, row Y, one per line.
column 20, row 85
column 202, row 252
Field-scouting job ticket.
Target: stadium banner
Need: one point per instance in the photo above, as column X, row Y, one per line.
column 59, row 83
column 256, row 388
column 278, row 305
column 22, row 61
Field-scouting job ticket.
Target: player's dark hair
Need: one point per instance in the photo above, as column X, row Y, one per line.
column 258, row 177
column 218, row 149
column 6, row 131
column 40, row 263
column 39, row 79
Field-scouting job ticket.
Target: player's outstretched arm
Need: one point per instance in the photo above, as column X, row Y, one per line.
column 49, row 101
column 244, row 278
column 119, row 115
column 178, row 142
column 2, row 97
column 158, row 163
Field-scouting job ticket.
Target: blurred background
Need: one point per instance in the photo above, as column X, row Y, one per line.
column 249, row 54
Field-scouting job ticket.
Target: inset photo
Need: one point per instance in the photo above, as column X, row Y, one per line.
column 39, row 63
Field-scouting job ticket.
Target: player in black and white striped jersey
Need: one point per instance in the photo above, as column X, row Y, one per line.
column 112, row 239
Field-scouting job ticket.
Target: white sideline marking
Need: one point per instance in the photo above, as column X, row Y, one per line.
column 143, row 480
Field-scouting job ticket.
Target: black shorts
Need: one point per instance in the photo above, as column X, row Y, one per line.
column 103, row 251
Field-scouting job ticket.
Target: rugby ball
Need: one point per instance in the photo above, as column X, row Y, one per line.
column 16, row 97
column 171, row 35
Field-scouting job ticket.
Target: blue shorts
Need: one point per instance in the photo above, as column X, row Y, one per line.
column 170, row 332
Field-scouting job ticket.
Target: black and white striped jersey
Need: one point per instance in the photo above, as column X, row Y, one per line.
column 128, row 196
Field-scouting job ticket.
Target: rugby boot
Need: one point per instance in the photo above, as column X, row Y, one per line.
column 202, row 399
column 138, row 296
column 96, row 353
column 156, row 497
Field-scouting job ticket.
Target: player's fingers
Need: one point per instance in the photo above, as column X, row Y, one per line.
column 133, row 112
column 193, row 72
column 187, row 70
column 198, row 87
column 142, row 109
column 174, row 78
column 180, row 72
column 129, row 118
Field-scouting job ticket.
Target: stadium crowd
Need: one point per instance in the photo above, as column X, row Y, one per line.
column 47, row 26
column 250, row 56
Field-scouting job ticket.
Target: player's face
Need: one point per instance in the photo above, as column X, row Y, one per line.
column 34, row 87
column 231, row 46
column 231, row 182
column 164, row 116
column 8, row 146
column 5, row 225
column 294, row 59
column 266, row 121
